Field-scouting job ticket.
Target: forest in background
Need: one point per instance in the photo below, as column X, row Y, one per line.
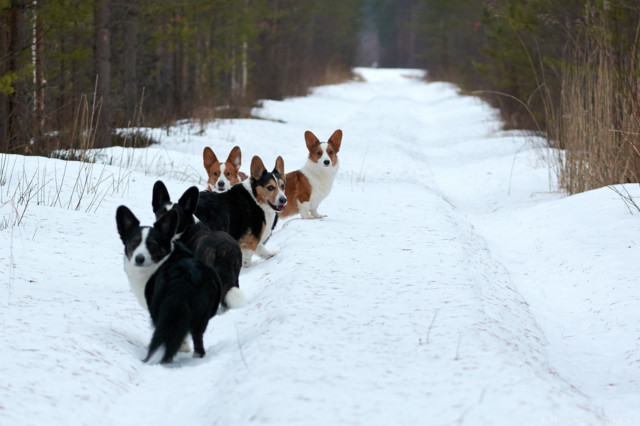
column 72, row 71
column 568, row 70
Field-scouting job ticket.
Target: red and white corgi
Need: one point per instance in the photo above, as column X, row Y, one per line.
column 307, row 187
column 223, row 176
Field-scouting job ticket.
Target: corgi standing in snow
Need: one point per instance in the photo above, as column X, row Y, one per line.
column 306, row 188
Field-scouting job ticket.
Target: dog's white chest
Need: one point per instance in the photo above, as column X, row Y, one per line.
column 269, row 218
column 138, row 277
column 320, row 179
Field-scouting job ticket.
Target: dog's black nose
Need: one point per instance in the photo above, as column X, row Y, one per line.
column 139, row 259
column 282, row 200
column 221, row 184
column 327, row 162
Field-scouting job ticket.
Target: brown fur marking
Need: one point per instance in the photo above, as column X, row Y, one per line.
column 249, row 241
column 297, row 189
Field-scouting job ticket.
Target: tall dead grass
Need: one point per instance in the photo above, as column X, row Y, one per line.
column 82, row 186
column 598, row 127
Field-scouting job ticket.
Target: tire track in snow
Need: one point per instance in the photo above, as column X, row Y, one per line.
column 338, row 321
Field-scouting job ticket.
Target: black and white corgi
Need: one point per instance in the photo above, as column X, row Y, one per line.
column 216, row 249
column 180, row 292
column 222, row 176
column 248, row 210
column 307, row 187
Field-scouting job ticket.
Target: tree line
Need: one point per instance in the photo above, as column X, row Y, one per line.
column 71, row 71
column 567, row 70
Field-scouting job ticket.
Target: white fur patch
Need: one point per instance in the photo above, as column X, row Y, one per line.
column 269, row 213
column 157, row 355
column 186, row 345
column 138, row 275
column 235, row 298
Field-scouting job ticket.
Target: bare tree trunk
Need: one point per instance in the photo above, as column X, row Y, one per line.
column 177, row 63
column 4, row 99
column 38, row 73
column 102, row 69
column 245, row 70
column 130, row 60
column 18, row 101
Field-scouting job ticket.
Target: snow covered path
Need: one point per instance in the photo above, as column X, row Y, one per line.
column 391, row 310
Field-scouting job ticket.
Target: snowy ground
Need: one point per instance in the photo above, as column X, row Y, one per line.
column 449, row 284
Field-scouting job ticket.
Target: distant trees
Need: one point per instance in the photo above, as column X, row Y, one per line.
column 396, row 22
column 73, row 70
column 103, row 64
column 567, row 68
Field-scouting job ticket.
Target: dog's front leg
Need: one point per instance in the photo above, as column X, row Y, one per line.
column 247, row 254
column 303, row 208
column 185, row 346
column 264, row 252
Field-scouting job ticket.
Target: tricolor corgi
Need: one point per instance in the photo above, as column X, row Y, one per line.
column 223, row 176
column 216, row 249
column 180, row 292
column 248, row 210
column 307, row 187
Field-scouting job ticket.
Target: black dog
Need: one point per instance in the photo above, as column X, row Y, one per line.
column 248, row 211
column 216, row 249
column 181, row 292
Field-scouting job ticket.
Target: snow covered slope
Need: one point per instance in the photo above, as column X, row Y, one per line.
column 448, row 283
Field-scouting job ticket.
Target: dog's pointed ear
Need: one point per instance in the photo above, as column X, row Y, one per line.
column 279, row 166
column 126, row 221
column 235, row 157
column 189, row 200
column 160, row 196
column 310, row 139
column 208, row 158
column 336, row 139
column 257, row 168
column 167, row 224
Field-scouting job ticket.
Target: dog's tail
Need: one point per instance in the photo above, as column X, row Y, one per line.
column 234, row 298
column 172, row 326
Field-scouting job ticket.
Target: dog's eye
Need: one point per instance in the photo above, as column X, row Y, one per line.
column 216, row 174
column 330, row 152
column 282, row 186
column 271, row 187
column 227, row 174
column 319, row 153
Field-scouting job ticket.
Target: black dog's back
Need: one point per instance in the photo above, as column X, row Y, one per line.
column 216, row 249
column 182, row 296
column 234, row 211
column 219, row 250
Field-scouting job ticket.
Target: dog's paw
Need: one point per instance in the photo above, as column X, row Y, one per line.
column 267, row 255
column 264, row 252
